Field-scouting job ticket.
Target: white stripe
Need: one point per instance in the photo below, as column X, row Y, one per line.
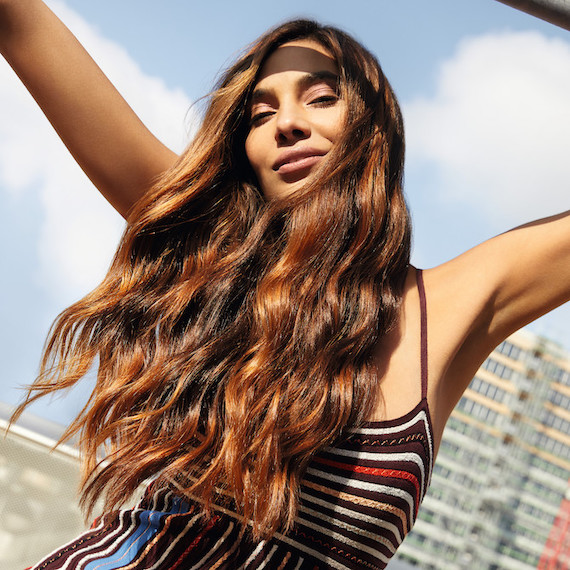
column 421, row 415
column 120, row 540
column 269, row 556
column 365, row 485
column 124, row 526
column 171, row 545
column 301, row 560
column 87, row 532
column 215, row 547
column 230, row 513
column 344, row 525
column 155, row 497
column 380, row 457
column 355, row 483
column 337, row 536
column 164, row 497
column 330, row 561
column 298, row 546
column 253, row 554
column 354, row 514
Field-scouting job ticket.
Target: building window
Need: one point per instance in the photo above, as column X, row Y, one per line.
column 562, row 376
column 555, row 470
column 553, row 446
column 476, row 410
column 487, row 389
column 509, row 349
column 553, row 496
column 556, row 422
column 559, row 399
column 450, row 449
column 498, row 369
column 442, row 472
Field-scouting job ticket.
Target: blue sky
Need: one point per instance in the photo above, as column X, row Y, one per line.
column 484, row 89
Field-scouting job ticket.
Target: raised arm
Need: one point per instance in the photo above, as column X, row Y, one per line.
column 479, row 298
column 110, row 143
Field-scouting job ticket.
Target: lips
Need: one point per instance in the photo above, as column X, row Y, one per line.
column 295, row 159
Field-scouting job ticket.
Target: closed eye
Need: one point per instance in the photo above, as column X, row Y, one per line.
column 324, row 100
column 258, row 118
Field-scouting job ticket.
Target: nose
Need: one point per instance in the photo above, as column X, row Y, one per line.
column 291, row 124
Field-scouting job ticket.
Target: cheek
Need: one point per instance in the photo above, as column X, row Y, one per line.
column 337, row 124
column 331, row 126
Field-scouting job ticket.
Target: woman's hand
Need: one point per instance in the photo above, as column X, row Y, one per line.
column 110, row 143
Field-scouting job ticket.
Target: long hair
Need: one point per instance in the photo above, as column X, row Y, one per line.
column 234, row 336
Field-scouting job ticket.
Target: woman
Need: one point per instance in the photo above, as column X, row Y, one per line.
column 266, row 354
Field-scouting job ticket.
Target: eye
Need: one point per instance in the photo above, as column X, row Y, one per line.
column 258, row 118
column 324, row 100
column 259, row 113
column 322, row 95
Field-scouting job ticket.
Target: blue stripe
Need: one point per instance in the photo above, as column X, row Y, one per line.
column 146, row 527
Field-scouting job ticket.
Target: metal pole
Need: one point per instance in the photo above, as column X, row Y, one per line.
column 554, row 11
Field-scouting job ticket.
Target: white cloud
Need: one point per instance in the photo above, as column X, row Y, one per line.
column 78, row 230
column 497, row 128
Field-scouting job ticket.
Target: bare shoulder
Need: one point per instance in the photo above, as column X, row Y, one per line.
column 480, row 297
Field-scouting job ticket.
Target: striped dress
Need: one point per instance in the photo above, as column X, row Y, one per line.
column 358, row 500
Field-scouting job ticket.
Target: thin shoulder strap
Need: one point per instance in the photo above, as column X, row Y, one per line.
column 423, row 332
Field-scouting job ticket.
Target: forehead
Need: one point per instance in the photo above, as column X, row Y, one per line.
column 304, row 56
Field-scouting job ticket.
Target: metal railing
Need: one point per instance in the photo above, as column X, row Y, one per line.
column 554, row 11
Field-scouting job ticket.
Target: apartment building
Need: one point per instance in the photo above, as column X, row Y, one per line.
column 497, row 497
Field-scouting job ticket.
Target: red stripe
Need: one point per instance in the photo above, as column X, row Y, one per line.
column 209, row 526
column 377, row 471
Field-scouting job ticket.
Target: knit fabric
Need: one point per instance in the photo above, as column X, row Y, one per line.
column 359, row 498
column 358, row 501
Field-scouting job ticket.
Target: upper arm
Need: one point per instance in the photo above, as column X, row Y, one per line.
column 479, row 298
column 535, row 273
column 118, row 153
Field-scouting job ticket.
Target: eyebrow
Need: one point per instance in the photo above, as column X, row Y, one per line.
column 303, row 82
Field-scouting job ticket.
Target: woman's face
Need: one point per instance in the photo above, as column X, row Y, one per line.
column 296, row 115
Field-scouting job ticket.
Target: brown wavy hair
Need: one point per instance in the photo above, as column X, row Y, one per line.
column 234, row 336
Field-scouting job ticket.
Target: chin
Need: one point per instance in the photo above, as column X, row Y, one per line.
column 285, row 190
